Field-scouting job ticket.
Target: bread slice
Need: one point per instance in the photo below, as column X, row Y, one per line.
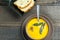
column 26, row 9
column 22, row 3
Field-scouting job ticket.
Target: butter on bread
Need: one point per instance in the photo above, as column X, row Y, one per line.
column 22, row 3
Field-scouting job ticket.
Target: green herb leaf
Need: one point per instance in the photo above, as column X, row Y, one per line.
column 42, row 27
column 37, row 24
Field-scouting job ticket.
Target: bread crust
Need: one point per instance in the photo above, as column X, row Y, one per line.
column 26, row 9
column 16, row 3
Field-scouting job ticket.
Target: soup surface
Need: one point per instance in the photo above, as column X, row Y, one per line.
column 37, row 30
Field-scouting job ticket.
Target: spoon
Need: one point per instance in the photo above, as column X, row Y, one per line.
column 38, row 11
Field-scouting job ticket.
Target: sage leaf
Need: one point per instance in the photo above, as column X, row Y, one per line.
column 42, row 27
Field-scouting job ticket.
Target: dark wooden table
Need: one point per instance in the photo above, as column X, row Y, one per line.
column 10, row 22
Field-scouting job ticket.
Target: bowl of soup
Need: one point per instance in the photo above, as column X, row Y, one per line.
column 34, row 30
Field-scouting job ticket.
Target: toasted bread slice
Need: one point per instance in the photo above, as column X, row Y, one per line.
column 22, row 3
column 26, row 9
